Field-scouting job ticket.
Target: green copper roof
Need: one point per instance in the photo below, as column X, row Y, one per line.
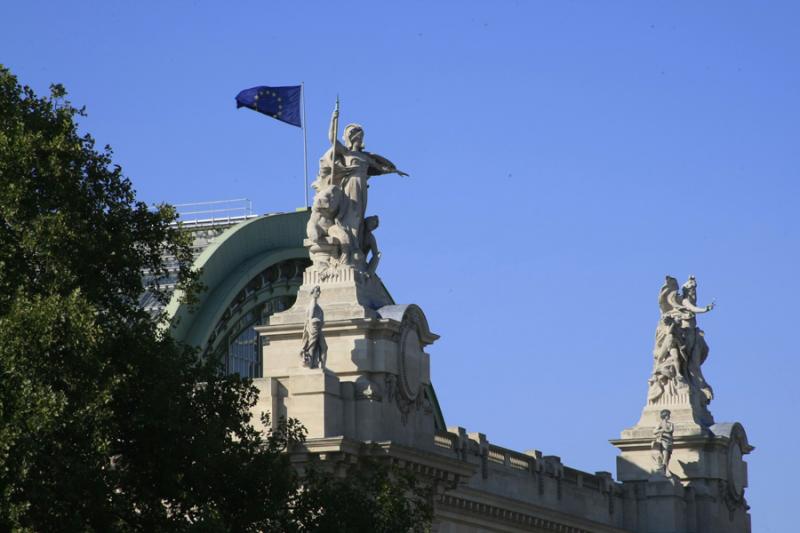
column 230, row 262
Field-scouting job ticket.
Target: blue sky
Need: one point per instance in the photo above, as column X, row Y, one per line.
column 564, row 157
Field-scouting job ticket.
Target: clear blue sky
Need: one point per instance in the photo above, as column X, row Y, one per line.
column 564, row 157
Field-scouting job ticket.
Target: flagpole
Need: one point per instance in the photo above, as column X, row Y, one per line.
column 305, row 140
column 335, row 134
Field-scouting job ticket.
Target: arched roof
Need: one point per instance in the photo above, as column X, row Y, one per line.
column 229, row 263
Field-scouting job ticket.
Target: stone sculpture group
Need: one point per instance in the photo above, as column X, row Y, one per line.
column 680, row 347
column 338, row 232
column 339, row 235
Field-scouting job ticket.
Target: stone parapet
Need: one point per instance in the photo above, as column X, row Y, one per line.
column 535, row 480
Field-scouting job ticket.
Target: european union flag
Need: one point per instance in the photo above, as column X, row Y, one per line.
column 282, row 103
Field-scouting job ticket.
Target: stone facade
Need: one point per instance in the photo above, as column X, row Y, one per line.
column 354, row 367
column 369, row 396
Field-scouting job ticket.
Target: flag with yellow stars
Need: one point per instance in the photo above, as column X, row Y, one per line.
column 282, row 103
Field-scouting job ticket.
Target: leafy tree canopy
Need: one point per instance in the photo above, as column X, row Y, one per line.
column 106, row 424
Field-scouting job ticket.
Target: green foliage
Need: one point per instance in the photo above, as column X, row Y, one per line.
column 371, row 497
column 106, row 424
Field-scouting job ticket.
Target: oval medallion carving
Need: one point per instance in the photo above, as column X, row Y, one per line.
column 411, row 359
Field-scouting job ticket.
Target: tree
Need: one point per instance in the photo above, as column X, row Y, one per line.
column 106, row 423
column 371, row 497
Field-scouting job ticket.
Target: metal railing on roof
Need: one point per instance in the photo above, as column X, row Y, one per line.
column 240, row 206
column 220, row 211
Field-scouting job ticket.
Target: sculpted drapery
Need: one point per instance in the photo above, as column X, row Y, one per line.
column 680, row 347
column 346, row 175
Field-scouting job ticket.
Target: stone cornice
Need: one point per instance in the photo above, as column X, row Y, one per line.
column 431, row 465
column 520, row 516
column 334, row 327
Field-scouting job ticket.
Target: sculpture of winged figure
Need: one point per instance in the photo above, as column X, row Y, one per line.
column 680, row 347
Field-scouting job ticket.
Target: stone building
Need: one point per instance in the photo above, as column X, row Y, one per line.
column 294, row 301
column 370, row 393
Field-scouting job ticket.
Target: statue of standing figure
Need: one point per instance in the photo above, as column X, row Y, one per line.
column 314, row 349
column 680, row 347
column 662, row 442
column 347, row 167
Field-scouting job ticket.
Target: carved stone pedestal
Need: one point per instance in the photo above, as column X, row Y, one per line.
column 374, row 383
column 706, row 476
column 688, row 411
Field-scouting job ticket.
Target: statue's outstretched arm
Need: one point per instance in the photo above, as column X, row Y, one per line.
column 693, row 308
column 381, row 165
